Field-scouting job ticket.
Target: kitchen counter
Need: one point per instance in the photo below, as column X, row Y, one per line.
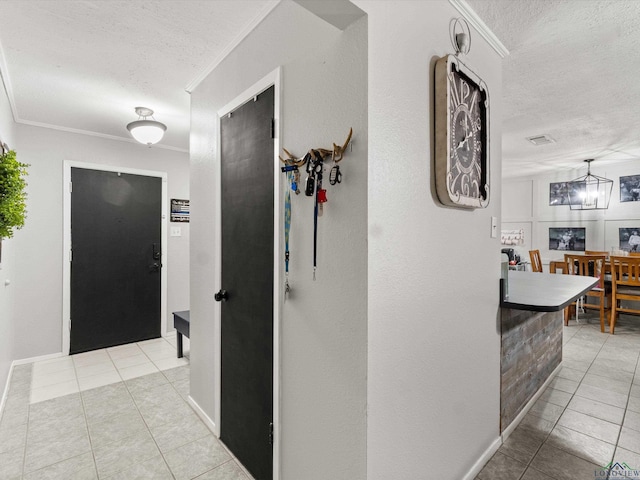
column 531, row 322
column 545, row 292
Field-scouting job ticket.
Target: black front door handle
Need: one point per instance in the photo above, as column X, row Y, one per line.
column 221, row 296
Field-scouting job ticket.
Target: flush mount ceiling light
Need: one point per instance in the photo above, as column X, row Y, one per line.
column 590, row 192
column 146, row 131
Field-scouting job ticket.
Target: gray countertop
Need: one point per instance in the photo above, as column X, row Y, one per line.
column 545, row 292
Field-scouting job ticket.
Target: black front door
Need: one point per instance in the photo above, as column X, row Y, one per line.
column 115, row 258
column 247, row 275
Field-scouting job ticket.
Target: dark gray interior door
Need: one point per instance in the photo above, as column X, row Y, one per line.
column 115, row 267
column 247, row 277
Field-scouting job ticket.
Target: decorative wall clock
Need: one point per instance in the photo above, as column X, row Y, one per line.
column 461, row 135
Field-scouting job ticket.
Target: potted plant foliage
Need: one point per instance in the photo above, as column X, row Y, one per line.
column 12, row 193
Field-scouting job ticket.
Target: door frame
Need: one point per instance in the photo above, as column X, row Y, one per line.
column 272, row 79
column 66, row 242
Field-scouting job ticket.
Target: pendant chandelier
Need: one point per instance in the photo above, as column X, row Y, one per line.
column 590, row 192
column 146, row 131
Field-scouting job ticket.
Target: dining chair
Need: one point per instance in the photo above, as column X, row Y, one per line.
column 591, row 266
column 625, row 280
column 536, row 262
column 559, row 267
column 596, row 252
column 634, row 254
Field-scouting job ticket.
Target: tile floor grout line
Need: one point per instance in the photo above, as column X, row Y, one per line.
column 615, row 450
column 626, row 408
column 26, row 439
column 563, row 410
column 147, row 425
column 86, row 420
column 574, row 395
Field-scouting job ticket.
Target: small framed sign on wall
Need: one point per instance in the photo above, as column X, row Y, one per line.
column 179, row 210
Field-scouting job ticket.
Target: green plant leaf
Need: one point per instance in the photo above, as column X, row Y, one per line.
column 13, row 198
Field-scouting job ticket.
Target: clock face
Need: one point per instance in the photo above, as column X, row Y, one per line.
column 466, row 132
column 461, row 135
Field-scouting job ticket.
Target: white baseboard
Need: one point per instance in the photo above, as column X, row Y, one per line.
column 497, row 443
column 40, row 358
column 484, row 458
column 23, row 361
column 5, row 393
column 211, row 425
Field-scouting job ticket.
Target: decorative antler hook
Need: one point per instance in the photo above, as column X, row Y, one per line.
column 336, row 153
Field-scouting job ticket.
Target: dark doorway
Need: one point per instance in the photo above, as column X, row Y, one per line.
column 115, row 258
column 247, row 275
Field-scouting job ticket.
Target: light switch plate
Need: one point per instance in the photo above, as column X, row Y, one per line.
column 494, row 227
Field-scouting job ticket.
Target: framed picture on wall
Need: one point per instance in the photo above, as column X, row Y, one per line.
column 558, row 194
column 630, row 188
column 630, row 239
column 570, row 239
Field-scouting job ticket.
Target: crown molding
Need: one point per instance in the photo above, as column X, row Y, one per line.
column 472, row 17
column 96, row 134
column 266, row 10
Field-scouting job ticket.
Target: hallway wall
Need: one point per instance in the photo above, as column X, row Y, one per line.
column 38, row 255
column 322, row 428
column 7, row 262
column 434, row 342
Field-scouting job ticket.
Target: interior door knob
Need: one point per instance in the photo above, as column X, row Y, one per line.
column 221, row 296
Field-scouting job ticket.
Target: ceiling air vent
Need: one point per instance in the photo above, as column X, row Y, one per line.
column 541, row 140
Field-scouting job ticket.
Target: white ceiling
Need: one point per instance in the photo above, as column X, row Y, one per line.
column 83, row 65
column 572, row 73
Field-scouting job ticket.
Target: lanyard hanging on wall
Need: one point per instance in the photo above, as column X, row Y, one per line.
column 293, row 177
column 287, row 229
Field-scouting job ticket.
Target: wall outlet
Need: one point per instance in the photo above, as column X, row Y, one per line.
column 176, row 232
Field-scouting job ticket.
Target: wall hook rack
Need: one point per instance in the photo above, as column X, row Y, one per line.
column 314, row 160
column 336, row 153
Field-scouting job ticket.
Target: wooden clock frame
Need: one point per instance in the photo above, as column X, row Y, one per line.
column 454, row 187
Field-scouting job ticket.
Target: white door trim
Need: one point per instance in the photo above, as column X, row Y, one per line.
column 66, row 243
column 272, row 79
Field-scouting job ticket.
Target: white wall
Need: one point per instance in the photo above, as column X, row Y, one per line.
column 433, row 272
column 38, row 247
column 7, row 268
column 526, row 205
column 322, row 430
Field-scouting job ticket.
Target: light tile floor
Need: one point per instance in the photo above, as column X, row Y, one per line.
column 122, row 413
column 117, row 413
column 84, row 371
column 588, row 417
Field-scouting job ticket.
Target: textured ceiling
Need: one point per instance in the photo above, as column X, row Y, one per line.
column 572, row 73
column 84, row 65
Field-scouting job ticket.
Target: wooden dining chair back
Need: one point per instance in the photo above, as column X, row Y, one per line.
column 625, row 280
column 536, row 262
column 592, row 266
column 634, row 254
column 596, row 252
